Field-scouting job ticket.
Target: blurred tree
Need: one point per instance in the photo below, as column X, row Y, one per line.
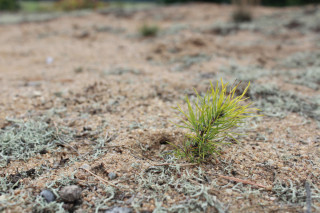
column 76, row 4
column 9, row 5
column 276, row 3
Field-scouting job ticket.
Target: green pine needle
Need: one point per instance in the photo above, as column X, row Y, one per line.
column 210, row 120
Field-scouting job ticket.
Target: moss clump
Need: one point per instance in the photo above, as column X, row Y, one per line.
column 277, row 103
column 291, row 193
column 22, row 140
column 161, row 183
column 302, row 60
column 310, row 78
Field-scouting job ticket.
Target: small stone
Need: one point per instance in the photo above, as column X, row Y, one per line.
column 49, row 60
column 68, row 206
column 270, row 162
column 36, row 94
column 112, row 176
column 48, row 195
column 70, row 193
column 119, row 210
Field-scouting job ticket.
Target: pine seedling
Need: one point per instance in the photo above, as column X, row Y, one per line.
column 210, row 120
column 147, row 30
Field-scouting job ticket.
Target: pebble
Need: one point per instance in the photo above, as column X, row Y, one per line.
column 70, row 193
column 33, row 83
column 119, row 210
column 270, row 162
column 36, row 94
column 48, row 195
column 49, row 60
column 112, row 176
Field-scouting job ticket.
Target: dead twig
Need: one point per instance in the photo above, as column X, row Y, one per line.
column 62, row 142
column 308, row 200
column 172, row 164
column 272, row 208
column 169, row 164
column 245, row 182
column 100, row 178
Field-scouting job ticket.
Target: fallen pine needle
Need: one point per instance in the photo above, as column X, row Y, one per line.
column 308, row 199
column 113, row 146
column 245, row 182
column 63, row 144
column 170, row 164
column 99, row 178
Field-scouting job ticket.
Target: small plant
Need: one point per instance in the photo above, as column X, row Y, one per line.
column 210, row 120
column 242, row 12
column 148, row 30
column 241, row 15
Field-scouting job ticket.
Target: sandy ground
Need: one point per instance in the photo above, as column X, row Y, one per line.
column 95, row 75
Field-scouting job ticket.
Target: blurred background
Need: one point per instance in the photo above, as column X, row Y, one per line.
column 67, row 5
column 113, row 71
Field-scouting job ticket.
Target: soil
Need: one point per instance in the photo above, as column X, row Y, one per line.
column 95, row 75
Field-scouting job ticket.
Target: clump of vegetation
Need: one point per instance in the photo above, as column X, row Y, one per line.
column 14, row 202
column 9, row 5
column 223, row 29
column 122, row 71
column 22, row 140
column 161, row 183
column 210, row 120
column 147, row 30
column 291, row 193
column 277, row 103
column 310, row 78
column 188, row 61
column 301, row 60
column 242, row 12
column 244, row 73
column 41, row 205
column 69, row 5
column 241, row 15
